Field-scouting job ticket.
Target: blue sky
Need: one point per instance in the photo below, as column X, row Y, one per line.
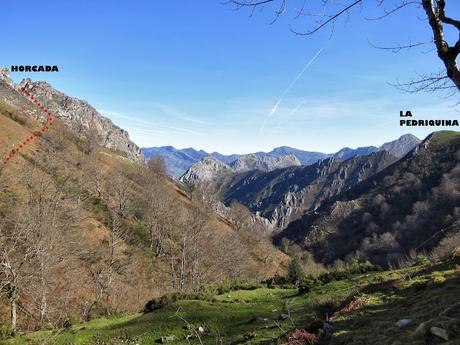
column 197, row 74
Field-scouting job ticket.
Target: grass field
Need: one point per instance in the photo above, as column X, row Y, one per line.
column 363, row 310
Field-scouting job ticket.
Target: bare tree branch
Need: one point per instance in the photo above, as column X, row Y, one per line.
column 429, row 83
column 328, row 11
column 395, row 9
column 326, row 22
column 399, row 47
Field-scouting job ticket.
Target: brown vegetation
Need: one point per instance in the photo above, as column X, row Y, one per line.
column 85, row 232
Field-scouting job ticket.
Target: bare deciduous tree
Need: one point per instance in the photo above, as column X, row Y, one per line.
column 157, row 165
column 32, row 243
column 326, row 13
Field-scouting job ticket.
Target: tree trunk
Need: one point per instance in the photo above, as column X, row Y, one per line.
column 448, row 54
column 14, row 315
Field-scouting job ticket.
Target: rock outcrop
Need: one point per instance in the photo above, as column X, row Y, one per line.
column 263, row 162
column 284, row 195
column 401, row 146
column 83, row 118
column 211, row 169
column 207, row 169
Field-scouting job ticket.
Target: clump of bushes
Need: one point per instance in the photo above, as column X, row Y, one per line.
column 422, row 260
column 310, row 281
column 231, row 285
column 278, row 282
column 296, row 272
column 296, row 278
column 163, row 301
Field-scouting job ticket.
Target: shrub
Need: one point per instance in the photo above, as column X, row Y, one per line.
column 326, row 308
column 448, row 247
column 310, row 281
column 231, row 285
column 421, row 260
column 5, row 331
column 438, row 277
column 165, row 300
column 277, row 282
column 295, row 272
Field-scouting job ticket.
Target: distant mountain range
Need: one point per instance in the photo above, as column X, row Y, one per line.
column 178, row 161
column 211, row 169
column 283, row 195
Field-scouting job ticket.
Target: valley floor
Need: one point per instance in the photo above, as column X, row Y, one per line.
column 363, row 310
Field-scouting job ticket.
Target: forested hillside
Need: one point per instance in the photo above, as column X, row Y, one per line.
column 411, row 206
column 86, row 232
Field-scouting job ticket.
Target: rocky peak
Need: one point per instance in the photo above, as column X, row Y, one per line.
column 401, row 146
column 263, row 162
column 82, row 117
column 347, row 153
column 207, row 169
column 5, row 77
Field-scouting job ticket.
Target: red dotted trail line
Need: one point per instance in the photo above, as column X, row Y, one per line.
column 36, row 134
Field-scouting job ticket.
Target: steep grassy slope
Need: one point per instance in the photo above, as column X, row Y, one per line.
column 362, row 309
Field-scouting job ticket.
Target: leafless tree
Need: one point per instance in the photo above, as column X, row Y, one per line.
column 16, row 256
column 160, row 207
column 157, row 165
column 32, row 243
column 116, row 192
column 322, row 14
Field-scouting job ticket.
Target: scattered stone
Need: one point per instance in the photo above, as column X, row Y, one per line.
column 421, row 330
column 284, row 317
column 168, row 338
column 439, row 332
column 403, row 323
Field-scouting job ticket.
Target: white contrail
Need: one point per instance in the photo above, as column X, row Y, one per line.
column 275, row 107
